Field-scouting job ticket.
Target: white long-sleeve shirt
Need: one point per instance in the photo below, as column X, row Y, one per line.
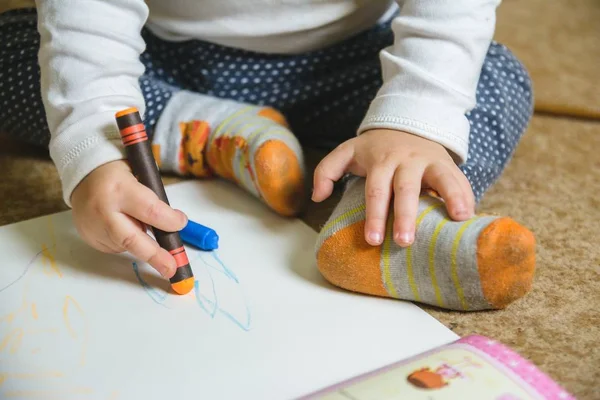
column 90, row 65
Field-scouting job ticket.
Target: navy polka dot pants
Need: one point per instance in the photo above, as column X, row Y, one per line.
column 324, row 94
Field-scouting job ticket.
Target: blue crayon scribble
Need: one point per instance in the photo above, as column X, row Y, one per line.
column 222, row 267
column 152, row 292
column 228, row 273
column 210, row 307
column 244, row 326
column 29, row 264
column 200, row 296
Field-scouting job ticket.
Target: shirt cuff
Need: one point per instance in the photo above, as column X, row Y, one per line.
column 76, row 155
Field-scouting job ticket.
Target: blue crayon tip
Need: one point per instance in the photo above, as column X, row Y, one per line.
column 199, row 236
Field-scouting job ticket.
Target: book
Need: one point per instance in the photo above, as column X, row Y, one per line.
column 473, row 367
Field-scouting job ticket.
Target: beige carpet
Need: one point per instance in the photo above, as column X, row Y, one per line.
column 559, row 43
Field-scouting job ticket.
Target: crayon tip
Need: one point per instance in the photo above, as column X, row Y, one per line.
column 126, row 111
column 183, row 287
column 199, row 236
column 211, row 241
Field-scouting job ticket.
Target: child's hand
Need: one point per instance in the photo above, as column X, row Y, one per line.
column 397, row 162
column 110, row 208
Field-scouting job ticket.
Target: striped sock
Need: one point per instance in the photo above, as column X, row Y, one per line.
column 486, row 262
column 252, row 146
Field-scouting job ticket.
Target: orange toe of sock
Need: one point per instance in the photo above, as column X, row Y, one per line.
column 280, row 177
column 346, row 260
column 506, row 261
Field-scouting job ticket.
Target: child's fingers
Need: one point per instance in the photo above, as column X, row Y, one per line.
column 330, row 170
column 407, row 189
column 128, row 236
column 468, row 190
column 109, row 248
column 443, row 180
column 144, row 205
column 377, row 197
column 98, row 239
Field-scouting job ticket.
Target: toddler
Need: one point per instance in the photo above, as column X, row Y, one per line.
column 413, row 100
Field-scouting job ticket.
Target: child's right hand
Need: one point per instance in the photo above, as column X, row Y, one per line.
column 110, row 208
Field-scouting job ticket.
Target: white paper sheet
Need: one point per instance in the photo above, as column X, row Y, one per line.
column 263, row 323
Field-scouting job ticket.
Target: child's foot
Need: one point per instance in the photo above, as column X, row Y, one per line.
column 249, row 145
column 486, row 262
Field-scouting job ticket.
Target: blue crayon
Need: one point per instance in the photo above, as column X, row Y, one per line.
column 199, row 236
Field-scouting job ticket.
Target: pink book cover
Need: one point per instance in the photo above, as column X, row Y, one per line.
column 474, row 367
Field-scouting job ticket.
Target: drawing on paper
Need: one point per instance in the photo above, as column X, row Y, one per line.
column 22, row 330
column 215, row 290
column 53, row 332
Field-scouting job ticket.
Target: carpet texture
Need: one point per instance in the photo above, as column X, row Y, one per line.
column 559, row 43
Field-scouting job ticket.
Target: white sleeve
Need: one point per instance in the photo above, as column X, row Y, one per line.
column 90, row 66
column 431, row 71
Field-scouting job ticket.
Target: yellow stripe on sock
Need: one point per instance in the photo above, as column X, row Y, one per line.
column 239, row 112
column 454, row 265
column 387, row 273
column 436, row 287
column 237, row 130
column 232, row 136
column 344, row 216
column 409, row 266
column 273, row 130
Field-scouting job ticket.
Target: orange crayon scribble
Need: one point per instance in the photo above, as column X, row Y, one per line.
column 35, row 351
column 11, row 316
column 48, row 256
column 34, row 313
column 17, row 336
column 36, row 375
column 113, row 396
column 46, row 394
column 68, row 301
column 38, row 331
column 2, row 379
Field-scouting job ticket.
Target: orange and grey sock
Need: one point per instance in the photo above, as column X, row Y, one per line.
column 205, row 136
column 484, row 263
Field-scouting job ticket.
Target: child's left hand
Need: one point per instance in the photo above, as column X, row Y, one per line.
column 399, row 162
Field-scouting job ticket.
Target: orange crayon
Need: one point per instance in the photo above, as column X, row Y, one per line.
column 143, row 165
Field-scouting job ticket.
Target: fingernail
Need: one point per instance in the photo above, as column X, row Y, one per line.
column 405, row 238
column 462, row 211
column 163, row 272
column 375, row 237
column 167, row 272
column 185, row 218
column 459, row 209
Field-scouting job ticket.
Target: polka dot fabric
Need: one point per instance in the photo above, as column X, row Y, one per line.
column 324, row 94
column 21, row 108
column 504, row 107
